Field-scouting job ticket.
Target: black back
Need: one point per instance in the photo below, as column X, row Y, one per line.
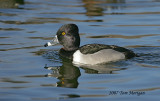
column 92, row 48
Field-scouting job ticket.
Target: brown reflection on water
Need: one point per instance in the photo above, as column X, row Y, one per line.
column 147, row 89
column 43, row 38
column 40, row 52
column 6, row 44
column 12, row 84
column 138, row 25
column 66, row 19
column 93, row 7
column 68, row 13
column 12, row 81
column 20, row 22
column 147, row 65
column 131, row 13
column 10, row 3
column 29, row 47
column 7, row 14
column 47, row 20
column 11, row 29
column 122, row 36
column 4, row 37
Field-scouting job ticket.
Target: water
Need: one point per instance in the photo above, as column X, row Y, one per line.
column 26, row 26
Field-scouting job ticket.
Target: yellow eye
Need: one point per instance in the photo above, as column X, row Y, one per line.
column 63, row 33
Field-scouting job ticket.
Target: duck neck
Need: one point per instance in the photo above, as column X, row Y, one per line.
column 66, row 54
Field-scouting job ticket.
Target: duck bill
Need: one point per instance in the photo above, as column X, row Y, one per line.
column 53, row 42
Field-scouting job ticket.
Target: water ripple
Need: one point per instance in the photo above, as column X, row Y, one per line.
column 122, row 36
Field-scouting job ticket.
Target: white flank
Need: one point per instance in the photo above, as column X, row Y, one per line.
column 49, row 44
column 102, row 56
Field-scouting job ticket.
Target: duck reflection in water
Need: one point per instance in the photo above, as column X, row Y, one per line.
column 69, row 73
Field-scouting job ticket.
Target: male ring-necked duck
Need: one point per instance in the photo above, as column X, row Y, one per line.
column 68, row 36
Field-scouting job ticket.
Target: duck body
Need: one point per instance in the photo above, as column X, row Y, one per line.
column 92, row 54
column 97, row 53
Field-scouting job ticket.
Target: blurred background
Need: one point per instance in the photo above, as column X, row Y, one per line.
column 26, row 25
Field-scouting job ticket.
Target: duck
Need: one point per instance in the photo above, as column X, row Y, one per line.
column 90, row 54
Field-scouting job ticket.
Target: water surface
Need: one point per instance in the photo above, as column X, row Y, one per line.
column 31, row 72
